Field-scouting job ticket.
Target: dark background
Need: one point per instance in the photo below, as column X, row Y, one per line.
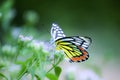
column 98, row 19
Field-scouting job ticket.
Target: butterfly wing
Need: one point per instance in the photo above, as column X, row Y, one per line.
column 56, row 32
column 74, row 47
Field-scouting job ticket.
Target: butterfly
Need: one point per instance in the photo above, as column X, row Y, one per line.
column 75, row 47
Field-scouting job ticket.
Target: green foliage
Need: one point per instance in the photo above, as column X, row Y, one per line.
column 57, row 70
column 2, row 76
column 21, row 54
column 51, row 76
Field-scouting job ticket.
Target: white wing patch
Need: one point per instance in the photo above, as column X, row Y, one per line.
column 84, row 42
column 56, row 32
column 87, row 42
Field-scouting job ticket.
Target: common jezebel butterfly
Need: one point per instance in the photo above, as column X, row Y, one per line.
column 74, row 47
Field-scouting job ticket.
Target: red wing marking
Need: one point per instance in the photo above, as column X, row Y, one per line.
column 82, row 57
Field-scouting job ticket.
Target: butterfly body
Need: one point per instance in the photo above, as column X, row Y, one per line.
column 74, row 47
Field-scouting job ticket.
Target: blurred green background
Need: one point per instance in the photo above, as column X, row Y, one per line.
column 98, row 19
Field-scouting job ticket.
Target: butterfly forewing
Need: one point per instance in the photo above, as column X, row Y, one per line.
column 56, row 32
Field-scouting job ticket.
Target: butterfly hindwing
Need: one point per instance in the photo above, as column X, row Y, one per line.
column 74, row 48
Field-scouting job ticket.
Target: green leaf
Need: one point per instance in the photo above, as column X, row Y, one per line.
column 37, row 77
column 2, row 66
column 57, row 70
column 51, row 76
column 22, row 72
column 2, row 75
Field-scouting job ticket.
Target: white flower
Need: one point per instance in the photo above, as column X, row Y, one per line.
column 36, row 44
column 8, row 49
column 25, row 38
